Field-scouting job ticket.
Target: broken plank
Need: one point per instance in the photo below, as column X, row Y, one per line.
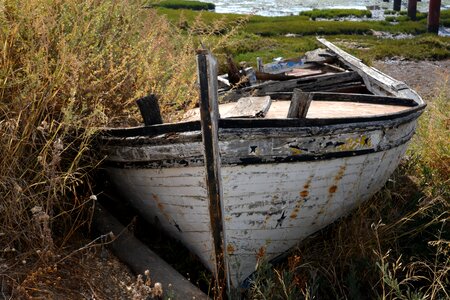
column 310, row 83
column 249, row 107
column 388, row 83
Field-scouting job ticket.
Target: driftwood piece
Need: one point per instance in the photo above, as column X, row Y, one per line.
column 140, row 258
column 249, row 107
column 150, row 111
column 299, row 104
column 209, row 116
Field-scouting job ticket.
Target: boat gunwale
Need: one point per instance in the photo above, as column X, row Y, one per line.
column 249, row 123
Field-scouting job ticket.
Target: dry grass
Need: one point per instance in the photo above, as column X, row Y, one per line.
column 66, row 69
column 70, row 67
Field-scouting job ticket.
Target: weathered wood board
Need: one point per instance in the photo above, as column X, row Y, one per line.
column 140, row 258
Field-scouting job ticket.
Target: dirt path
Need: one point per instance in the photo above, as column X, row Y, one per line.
column 426, row 77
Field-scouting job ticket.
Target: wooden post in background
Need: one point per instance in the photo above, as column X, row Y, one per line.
column 397, row 5
column 434, row 12
column 209, row 114
column 412, row 9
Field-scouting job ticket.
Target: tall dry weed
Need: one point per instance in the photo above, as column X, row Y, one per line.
column 66, row 69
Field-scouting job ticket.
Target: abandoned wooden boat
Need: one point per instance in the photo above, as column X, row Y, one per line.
column 272, row 169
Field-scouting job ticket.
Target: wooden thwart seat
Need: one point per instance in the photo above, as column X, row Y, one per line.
column 247, row 107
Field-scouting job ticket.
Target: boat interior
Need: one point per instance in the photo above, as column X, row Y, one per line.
column 321, row 88
column 328, row 106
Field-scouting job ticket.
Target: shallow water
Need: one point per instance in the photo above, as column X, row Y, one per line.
column 288, row 7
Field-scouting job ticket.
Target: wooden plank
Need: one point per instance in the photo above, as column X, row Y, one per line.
column 309, row 83
column 312, row 83
column 376, row 81
column 209, row 113
column 140, row 258
column 139, row 135
column 249, row 107
column 363, row 98
column 150, row 111
column 357, row 65
column 269, row 76
column 299, row 104
column 259, row 64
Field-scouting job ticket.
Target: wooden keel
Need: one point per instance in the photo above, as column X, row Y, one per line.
column 140, row 258
column 209, row 114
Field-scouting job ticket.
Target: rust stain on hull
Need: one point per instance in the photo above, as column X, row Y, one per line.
column 332, row 189
column 162, row 209
column 230, row 249
column 303, row 194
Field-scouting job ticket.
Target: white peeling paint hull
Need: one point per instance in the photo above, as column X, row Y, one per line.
column 268, row 208
column 280, row 180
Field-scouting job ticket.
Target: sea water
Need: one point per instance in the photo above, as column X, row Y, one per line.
column 293, row 7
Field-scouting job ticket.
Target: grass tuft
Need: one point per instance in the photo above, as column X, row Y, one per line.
column 336, row 13
column 183, row 4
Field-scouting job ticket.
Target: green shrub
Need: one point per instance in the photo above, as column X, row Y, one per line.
column 336, row 13
column 430, row 47
column 183, row 4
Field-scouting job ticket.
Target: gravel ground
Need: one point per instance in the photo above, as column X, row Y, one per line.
column 425, row 77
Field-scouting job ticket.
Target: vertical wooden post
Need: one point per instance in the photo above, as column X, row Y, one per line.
column 300, row 103
column 259, row 64
column 209, row 113
column 412, row 9
column 434, row 12
column 397, row 5
column 149, row 108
